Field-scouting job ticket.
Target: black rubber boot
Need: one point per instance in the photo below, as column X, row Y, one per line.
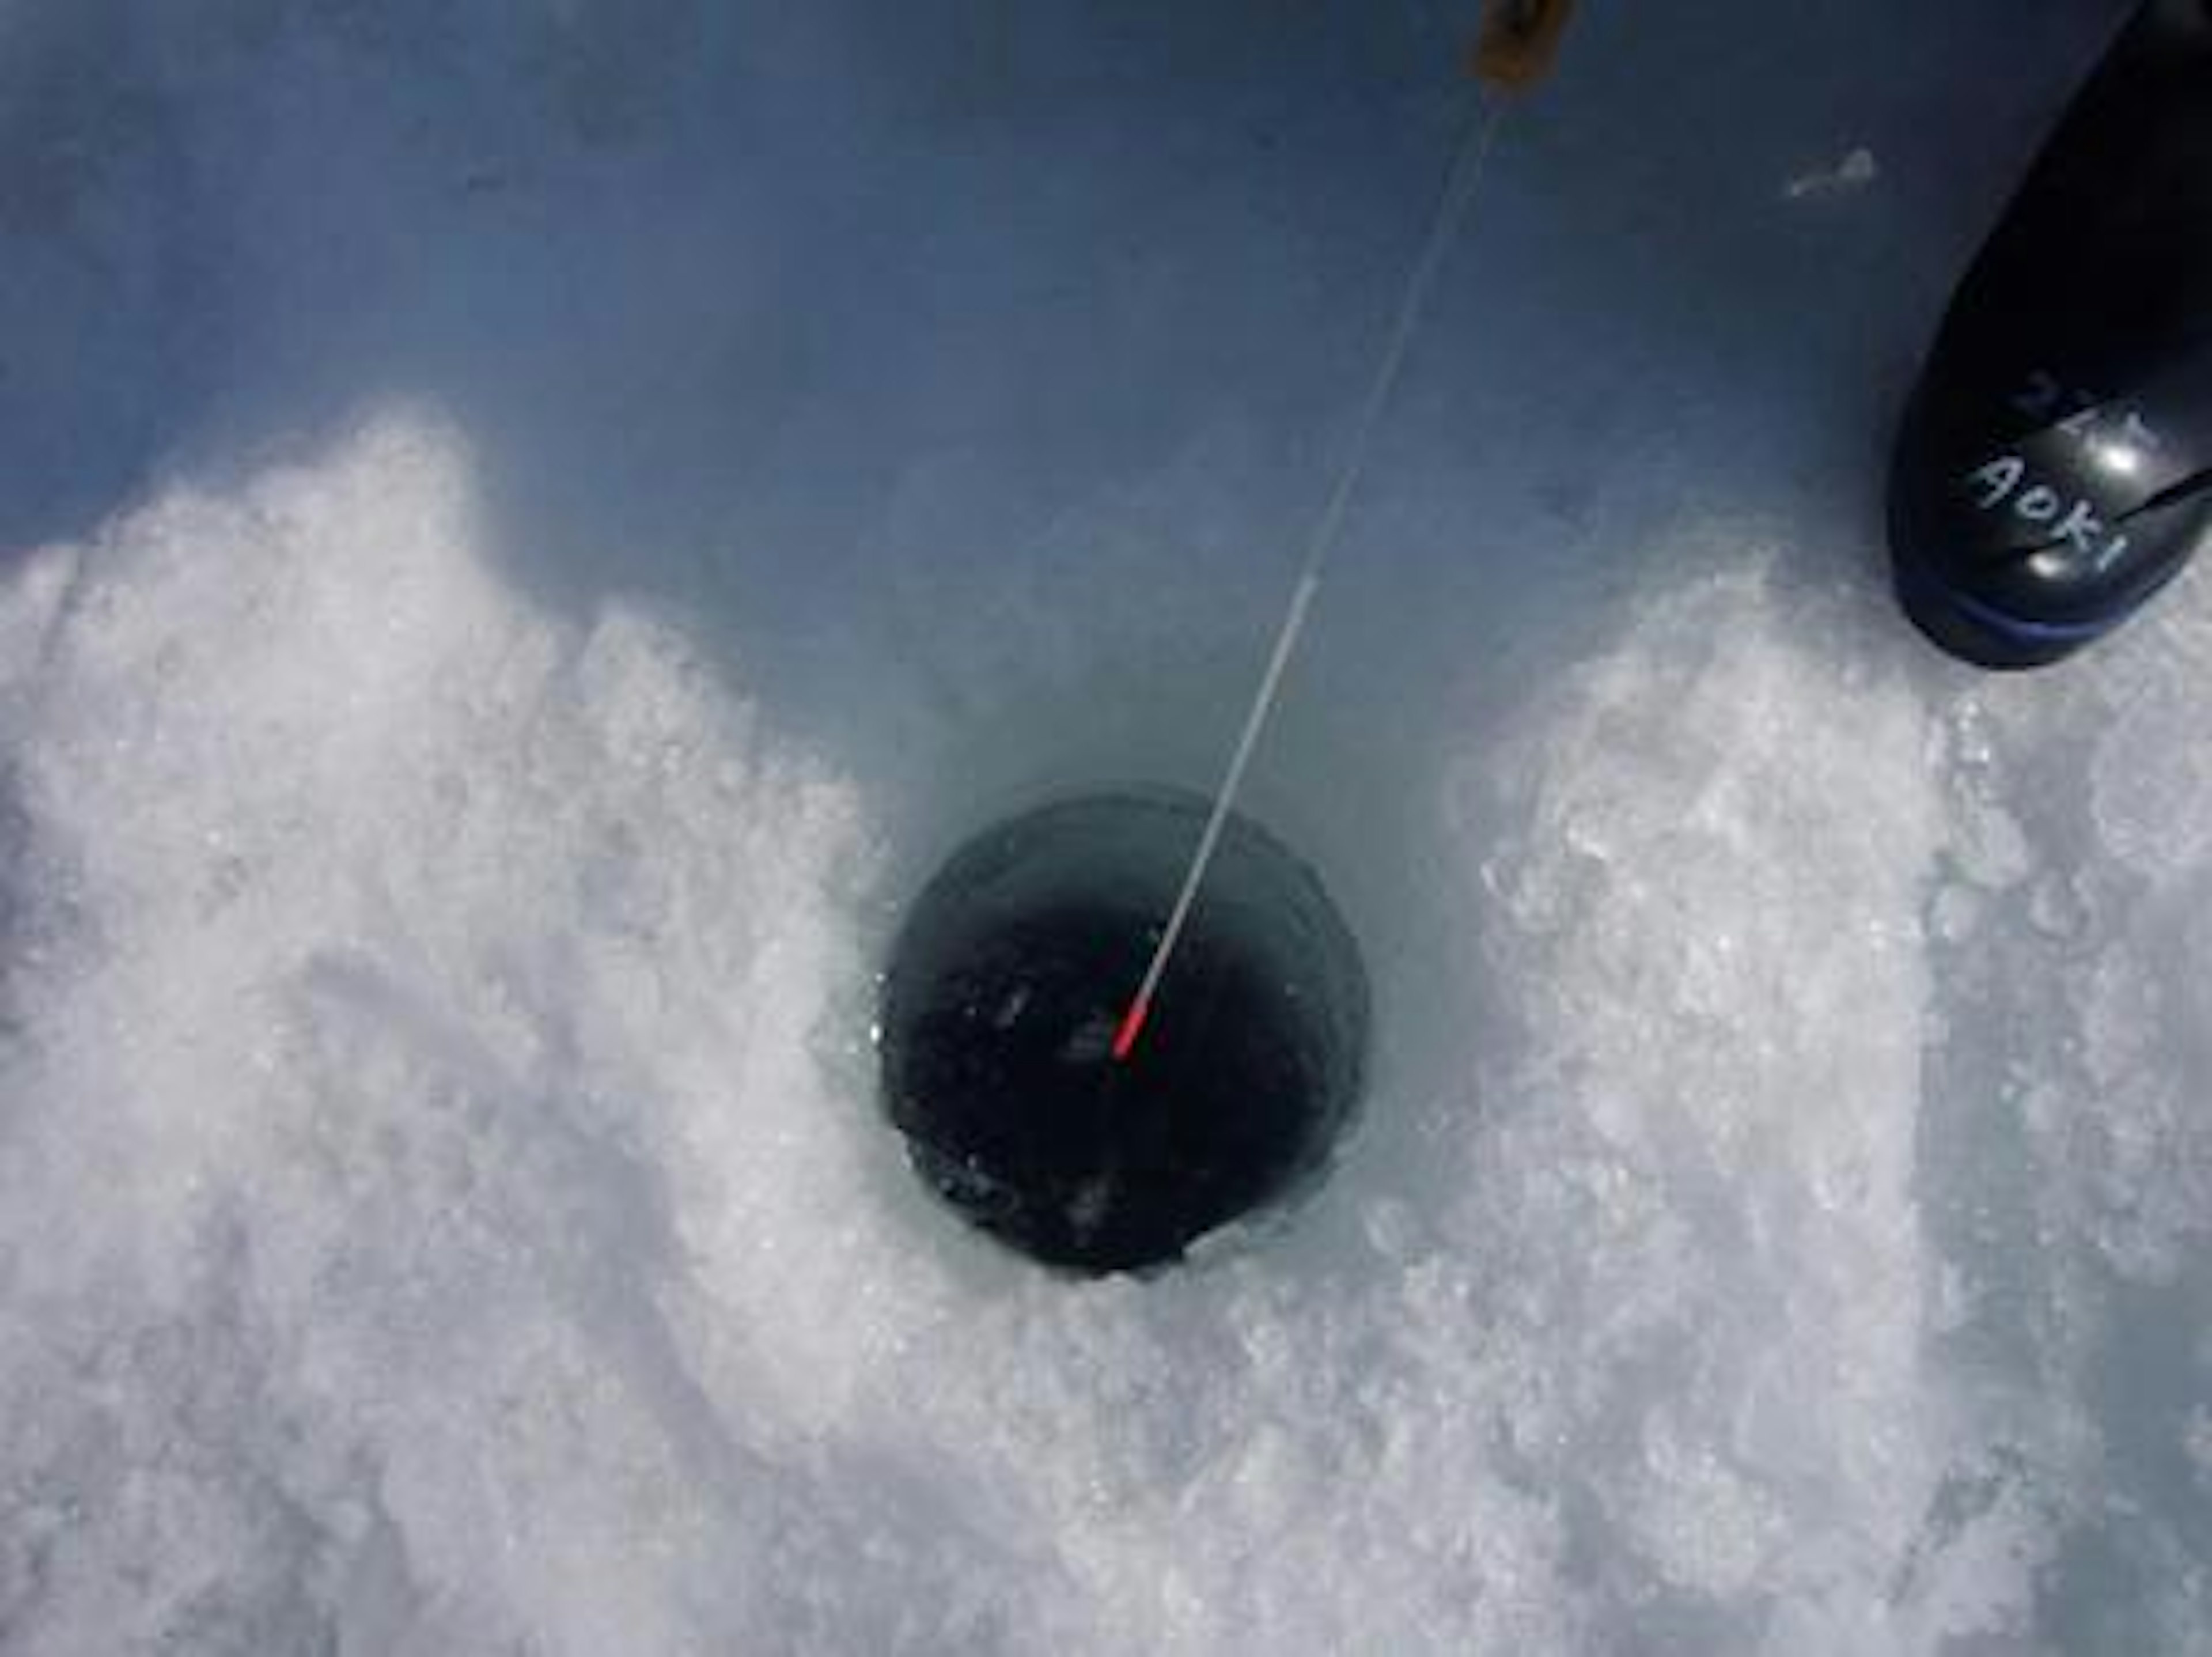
column 2054, row 469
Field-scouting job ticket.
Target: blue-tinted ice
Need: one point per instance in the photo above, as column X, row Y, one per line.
column 527, row 528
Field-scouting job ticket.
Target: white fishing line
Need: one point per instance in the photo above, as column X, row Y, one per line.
column 1470, row 160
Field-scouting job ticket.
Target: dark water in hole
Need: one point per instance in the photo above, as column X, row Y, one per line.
column 999, row 1007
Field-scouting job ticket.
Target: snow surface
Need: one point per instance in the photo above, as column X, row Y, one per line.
column 531, row 528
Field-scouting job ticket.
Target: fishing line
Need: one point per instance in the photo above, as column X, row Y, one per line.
column 1516, row 50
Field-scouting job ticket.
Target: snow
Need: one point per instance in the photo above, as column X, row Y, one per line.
column 526, row 532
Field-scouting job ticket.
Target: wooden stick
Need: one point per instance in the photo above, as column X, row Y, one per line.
column 1519, row 39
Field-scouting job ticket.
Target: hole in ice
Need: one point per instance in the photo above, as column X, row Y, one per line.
column 998, row 1010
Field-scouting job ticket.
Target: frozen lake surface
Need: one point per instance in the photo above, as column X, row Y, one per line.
column 526, row 531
